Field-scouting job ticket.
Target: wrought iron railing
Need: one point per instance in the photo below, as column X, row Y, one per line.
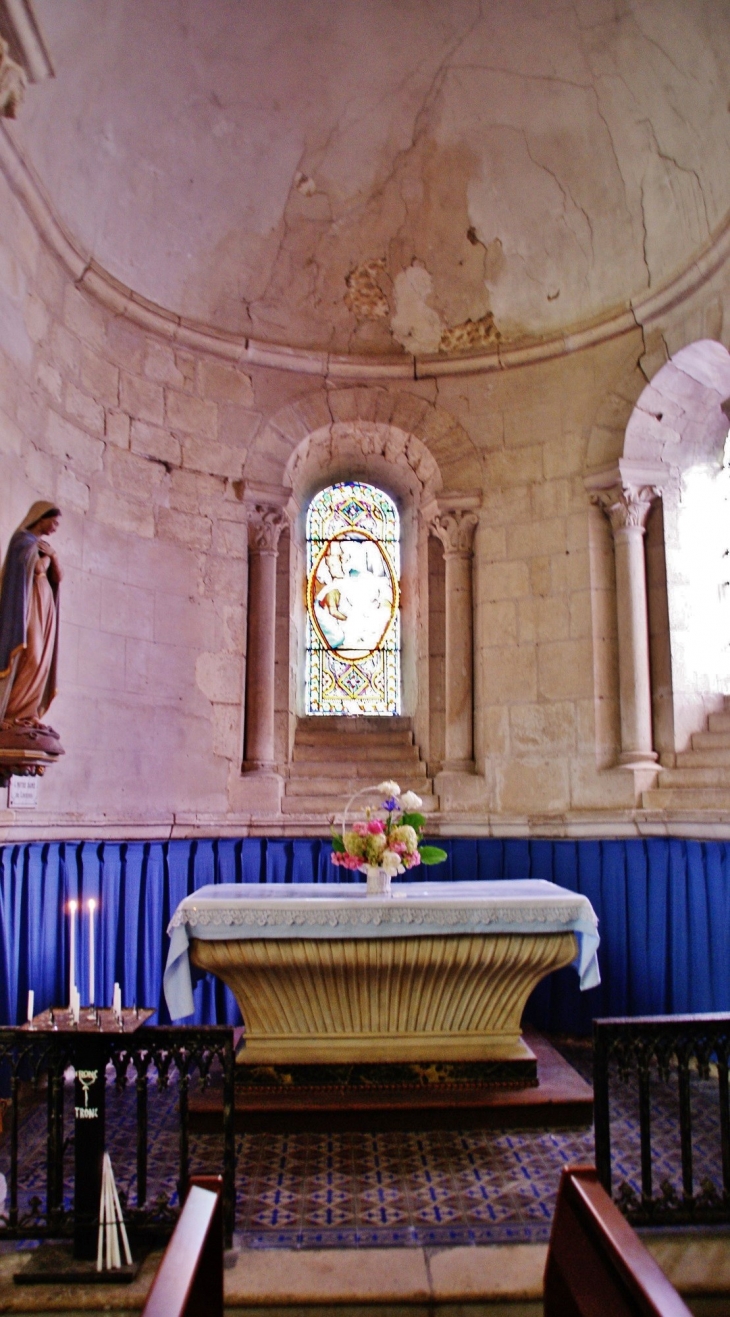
column 664, row 1048
column 155, row 1056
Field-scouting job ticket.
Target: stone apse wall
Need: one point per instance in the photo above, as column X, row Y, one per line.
column 162, row 456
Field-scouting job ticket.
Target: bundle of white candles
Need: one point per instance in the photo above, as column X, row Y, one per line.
column 111, row 1223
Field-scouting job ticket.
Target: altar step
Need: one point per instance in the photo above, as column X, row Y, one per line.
column 700, row 777
column 334, row 757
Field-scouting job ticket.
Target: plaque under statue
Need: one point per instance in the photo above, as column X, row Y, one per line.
column 29, row 610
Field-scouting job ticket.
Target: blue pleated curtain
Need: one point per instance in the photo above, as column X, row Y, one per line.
column 663, row 906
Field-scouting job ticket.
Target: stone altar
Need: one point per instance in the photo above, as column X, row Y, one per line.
column 435, row 972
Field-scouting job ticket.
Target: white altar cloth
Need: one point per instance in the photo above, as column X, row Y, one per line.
column 228, row 911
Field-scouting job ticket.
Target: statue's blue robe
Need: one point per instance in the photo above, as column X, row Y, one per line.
column 17, row 584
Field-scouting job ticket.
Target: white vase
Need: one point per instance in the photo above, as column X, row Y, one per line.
column 378, row 883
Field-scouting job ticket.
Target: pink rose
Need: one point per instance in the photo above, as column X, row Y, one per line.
column 361, row 828
column 376, row 825
column 346, row 861
column 399, row 847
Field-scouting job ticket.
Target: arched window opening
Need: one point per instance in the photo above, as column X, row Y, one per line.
column 353, row 602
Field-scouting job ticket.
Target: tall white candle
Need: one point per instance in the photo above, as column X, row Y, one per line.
column 73, row 907
column 31, row 1005
column 92, row 963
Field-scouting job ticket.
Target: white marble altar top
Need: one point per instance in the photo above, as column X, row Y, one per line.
column 233, row 910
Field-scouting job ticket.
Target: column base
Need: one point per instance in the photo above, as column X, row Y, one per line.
column 638, row 759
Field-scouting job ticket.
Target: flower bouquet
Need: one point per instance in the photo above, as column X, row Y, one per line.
column 387, row 841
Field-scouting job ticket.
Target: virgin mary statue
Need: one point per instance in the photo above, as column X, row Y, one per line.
column 29, row 599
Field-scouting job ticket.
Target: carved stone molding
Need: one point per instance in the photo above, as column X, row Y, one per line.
column 13, row 82
column 455, row 530
column 265, row 525
column 627, row 506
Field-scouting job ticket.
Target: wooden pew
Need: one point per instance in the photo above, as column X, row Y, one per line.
column 189, row 1279
column 597, row 1266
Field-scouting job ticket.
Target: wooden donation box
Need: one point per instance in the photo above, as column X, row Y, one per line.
column 430, row 972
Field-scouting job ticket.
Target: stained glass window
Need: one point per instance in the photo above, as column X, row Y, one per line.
column 353, row 626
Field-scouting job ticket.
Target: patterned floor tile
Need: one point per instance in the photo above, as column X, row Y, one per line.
column 390, row 1189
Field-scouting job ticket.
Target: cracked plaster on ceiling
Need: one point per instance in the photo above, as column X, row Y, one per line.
column 539, row 163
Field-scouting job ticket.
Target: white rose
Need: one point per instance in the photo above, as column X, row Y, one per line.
column 392, row 863
column 388, row 788
column 410, row 801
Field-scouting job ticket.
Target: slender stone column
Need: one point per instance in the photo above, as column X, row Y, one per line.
column 455, row 530
column 265, row 525
column 627, row 508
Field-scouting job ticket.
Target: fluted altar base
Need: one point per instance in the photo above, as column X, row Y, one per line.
column 441, row 998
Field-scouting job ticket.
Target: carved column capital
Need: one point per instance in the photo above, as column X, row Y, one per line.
column 455, row 529
column 627, row 506
column 13, row 82
column 265, row 525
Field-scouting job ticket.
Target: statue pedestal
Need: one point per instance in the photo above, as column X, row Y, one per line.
column 24, row 763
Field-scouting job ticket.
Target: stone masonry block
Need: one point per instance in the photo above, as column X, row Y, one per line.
column 353, row 404
column 543, row 728
column 135, row 476
column 519, row 466
column 565, row 669
column 193, row 532
column 222, row 383
column 212, row 458
column 85, row 410
column 191, row 415
column 127, row 610
column 228, row 731
column 543, row 619
column 160, row 365
column 117, row 428
column 231, row 538
column 537, row 538
column 497, row 623
column 220, row 677
column 99, row 378
column 225, row 578
column 153, row 441
column 553, row 499
column 141, row 398
column 65, row 351
column 71, row 492
column 40, row 468
column 125, row 345
column 50, row 380
column 539, row 786
column 508, row 674
column 190, row 491
column 31, row 413
column 531, row 425
column 82, row 452
column 504, row 580
column 125, row 514
column 237, row 426
column 234, row 628
column 83, row 317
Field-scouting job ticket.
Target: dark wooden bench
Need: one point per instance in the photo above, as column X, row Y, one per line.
column 189, row 1280
column 597, row 1266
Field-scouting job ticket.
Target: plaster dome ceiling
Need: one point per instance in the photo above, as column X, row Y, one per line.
column 387, row 175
